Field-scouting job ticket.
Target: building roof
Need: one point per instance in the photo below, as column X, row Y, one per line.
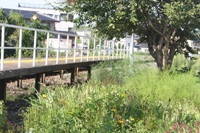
column 56, row 35
column 136, row 46
column 143, row 45
column 128, row 38
column 28, row 14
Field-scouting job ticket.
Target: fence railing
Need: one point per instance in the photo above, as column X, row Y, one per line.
column 104, row 49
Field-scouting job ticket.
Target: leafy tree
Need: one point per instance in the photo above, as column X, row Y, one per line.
column 16, row 19
column 164, row 24
column 28, row 37
column 12, row 34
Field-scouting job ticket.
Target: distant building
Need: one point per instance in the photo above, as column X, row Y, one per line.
column 63, row 19
column 85, row 41
column 27, row 15
column 51, row 22
column 53, row 42
column 143, row 47
column 194, row 44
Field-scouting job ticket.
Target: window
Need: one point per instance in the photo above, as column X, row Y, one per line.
column 57, row 17
column 63, row 17
column 51, row 15
column 48, row 24
column 69, row 28
column 70, row 17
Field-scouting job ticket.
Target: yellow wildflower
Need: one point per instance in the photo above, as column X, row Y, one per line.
column 174, row 21
column 113, row 110
column 43, row 95
column 117, row 125
column 123, row 95
column 132, row 119
column 120, row 121
column 116, row 115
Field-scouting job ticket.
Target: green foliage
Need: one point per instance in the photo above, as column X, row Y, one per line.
column 164, row 25
column 79, row 40
column 12, row 34
column 14, row 18
column 28, row 37
column 121, row 97
column 5, row 125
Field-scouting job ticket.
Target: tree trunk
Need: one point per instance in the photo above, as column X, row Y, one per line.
column 159, row 60
column 171, row 56
column 165, row 56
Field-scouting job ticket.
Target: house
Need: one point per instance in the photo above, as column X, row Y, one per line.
column 85, row 41
column 136, row 48
column 27, row 15
column 51, row 22
column 63, row 19
column 143, row 47
column 194, row 44
column 125, row 42
column 135, row 40
column 53, row 42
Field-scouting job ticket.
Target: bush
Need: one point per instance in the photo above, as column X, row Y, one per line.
column 5, row 125
column 121, row 97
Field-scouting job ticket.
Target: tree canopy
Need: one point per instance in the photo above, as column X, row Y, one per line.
column 165, row 25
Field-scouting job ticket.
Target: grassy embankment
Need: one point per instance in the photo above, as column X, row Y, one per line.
column 130, row 98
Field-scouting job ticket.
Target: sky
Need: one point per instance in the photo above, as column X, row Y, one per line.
column 13, row 4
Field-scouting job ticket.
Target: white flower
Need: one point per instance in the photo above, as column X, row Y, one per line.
column 30, row 130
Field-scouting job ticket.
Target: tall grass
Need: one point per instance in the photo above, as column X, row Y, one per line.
column 121, row 97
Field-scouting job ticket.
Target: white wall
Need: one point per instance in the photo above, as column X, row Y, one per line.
column 61, row 26
column 190, row 43
column 53, row 43
column 144, row 49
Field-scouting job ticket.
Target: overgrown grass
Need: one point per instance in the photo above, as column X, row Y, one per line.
column 120, row 97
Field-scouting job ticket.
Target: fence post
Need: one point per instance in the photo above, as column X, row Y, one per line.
column 46, row 61
column 88, row 49
column 82, row 50
column 117, row 50
column 89, row 72
column 20, row 50
column 61, row 74
column 38, row 79
column 73, row 75
column 57, row 56
column 104, row 50
column 99, row 49
column 120, row 51
column 94, row 49
column 43, row 78
column 109, row 50
column 113, row 49
column 2, row 46
column 34, row 50
column 3, row 89
column 131, row 48
column 67, row 49
column 75, row 49
column 19, row 82
column 124, row 51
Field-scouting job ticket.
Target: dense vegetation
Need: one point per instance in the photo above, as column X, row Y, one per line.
column 121, row 97
column 12, row 34
column 165, row 25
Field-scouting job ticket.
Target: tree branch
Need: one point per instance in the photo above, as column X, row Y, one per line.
column 151, row 24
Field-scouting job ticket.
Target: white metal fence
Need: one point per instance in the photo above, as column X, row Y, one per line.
column 105, row 52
